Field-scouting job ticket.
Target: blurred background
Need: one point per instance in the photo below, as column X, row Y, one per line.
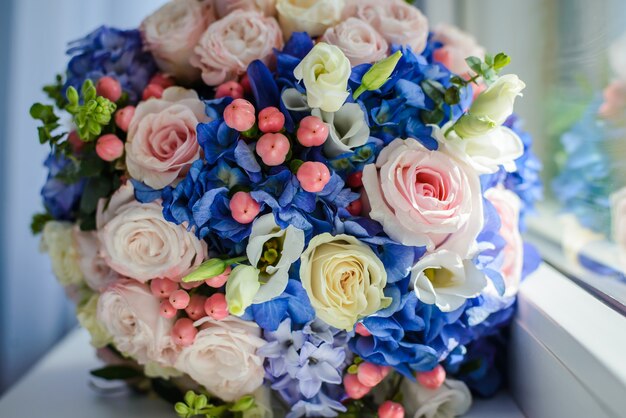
column 560, row 48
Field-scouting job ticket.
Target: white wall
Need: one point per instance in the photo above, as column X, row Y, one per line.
column 34, row 312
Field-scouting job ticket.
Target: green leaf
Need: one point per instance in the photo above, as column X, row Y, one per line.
column 243, row 404
column 116, row 373
column 475, row 64
column 434, row 90
column 190, row 398
column 452, row 96
column 39, row 221
column 433, row 117
column 95, row 189
column 182, row 410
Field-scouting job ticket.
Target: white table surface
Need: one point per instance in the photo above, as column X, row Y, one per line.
column 60, row 381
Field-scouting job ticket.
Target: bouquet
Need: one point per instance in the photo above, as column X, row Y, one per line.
column 312, row 207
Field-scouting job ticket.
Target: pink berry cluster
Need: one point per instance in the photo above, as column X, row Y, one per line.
column 181, row 298
column 273, row 145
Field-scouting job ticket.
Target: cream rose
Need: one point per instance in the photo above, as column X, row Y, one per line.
column 129, row 313
column 229, row 45
column 58, row 241
column 343, row 278
column 325, row 72
column 225, row 7
column 398, row 22
column 508, row 206
column 425, row 198
column 358, row 40
column 223, row 357
column 311, row 16
column 452, row 399
column 97, row 273
column 137, row 242
column 457, row 46
column 347, row 129
column 172, row 32
column 162, row 141
column 86, row 313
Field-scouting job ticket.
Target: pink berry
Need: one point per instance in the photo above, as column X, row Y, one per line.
column 355, row 207
column 166, row 310
column 240, row 115
column 432, row 379
column 370, row 374
column 354, row 388
column 313, row 176
column 76, row 143
column 109, row 147
column 362, row 331
column 124, row 116
column 184, row 332
column 162, row 80
column 229, row 89
column 216, row 306
column 391, row 409
column 152, row 91
column 244, row 208
column 109, row 88
column 163, row 288
column 312, row 131
column 180, row 299
column 219, row 281
column 273, row 149
column 355, row 180
column 271, row 120
column 195, row 309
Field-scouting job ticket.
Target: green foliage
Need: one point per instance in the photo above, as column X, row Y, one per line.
column 93, row 114
column 55, row 92
column 489, row 68
column 50, row 123
column 199, row 405
column 39, row 221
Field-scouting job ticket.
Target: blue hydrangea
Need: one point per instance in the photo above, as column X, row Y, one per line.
column 60, row 198
column 111, row 52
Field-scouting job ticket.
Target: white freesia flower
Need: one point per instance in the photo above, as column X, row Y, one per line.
column 273, row 250
column 295, row 101
column 452, row 399
column 311, row 16
column 325, row 72
column 446, row 280
column 486, row 152
column 223, row 357
column 358, row 40
column 347, row 128
column 58, row 241
column 86, row 314
column 343, row 278
column 241, row 288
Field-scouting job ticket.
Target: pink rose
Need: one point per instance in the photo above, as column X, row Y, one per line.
column 614, row 104
column 223, row 357
column 97, row 273
column 425, row 198
column 225, row 7
column 508, row 206
column 457, row 46
column 398, row 22
column 137, row 242
column 232, row 43
column 358, row 40
column 162, row 142
column 172, row 32
column 130, row 314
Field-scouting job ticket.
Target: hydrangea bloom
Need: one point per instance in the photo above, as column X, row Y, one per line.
column 60, row 198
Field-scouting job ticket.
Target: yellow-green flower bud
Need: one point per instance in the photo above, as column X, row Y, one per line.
column 378, row 74
column 241, row 288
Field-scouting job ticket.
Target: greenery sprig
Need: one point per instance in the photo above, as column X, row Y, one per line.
column 199, row 405
column 93, row 114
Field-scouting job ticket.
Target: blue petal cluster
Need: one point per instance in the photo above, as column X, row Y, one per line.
column 111, row 52
column 61, row 199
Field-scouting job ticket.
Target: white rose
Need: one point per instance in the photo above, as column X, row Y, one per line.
column 425, row 198
column 273, row 250
column 229, row 45
column 86, row 313
column 347, row 129
column 162, row 142
column 172, row 32
column 486, row 152
column 311, row 16
column 358, row 40
column 452, row 399
column 325, row 72
column 57, row 240
column 446, row 280
column 130, row 314
column 137, row 242
column 225, row 7
column 343, row 278
column 223, row 357
column 457, row 46
column 508, row 206
column 97, row 273
column 398, row 22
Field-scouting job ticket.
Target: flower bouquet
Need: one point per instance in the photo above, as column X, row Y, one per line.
column 309, row 207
